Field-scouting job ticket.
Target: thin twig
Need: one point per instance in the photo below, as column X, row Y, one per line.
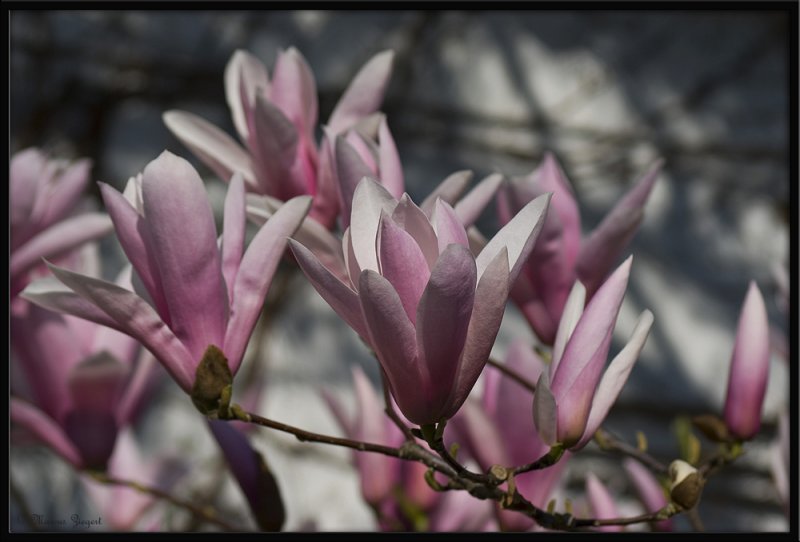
column 513, row 375
column 694, row 519
column 390, row 411
column 207, row 513
column 608, row 442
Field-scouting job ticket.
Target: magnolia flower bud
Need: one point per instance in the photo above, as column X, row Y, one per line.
column 686, row 484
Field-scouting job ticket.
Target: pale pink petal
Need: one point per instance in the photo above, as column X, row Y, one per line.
column 353, row 269
column 551, row 178
column 59, row 239
column 390, row 166
column 25, row 173
column 65, row 192
column 747, row 380
column 612, row 235
column 487, row 314
column 137, row 318
column 443, row 317
column 255, row 275
column 470, row 207
column 449, row 190
column 393, row 337
column 134, row 235
column 573, row 309
column 367, row 150
column 212, row 146
column 411, row 218
column 52, row 294
column 294, row 90
column 518, row 237
column 369, row 199
column 478, row 435
column 245, row 76
column 339, row 296
column 326, row 199
column 233, row 232
column 601, row 502
column 45, row 430
column 364, row 94
column 273, row 143
column 184, row 245
column 402, row 263
column 649, row 490
column 145, row 376
column 615, row 377
column 448, row 226
column 350, row 169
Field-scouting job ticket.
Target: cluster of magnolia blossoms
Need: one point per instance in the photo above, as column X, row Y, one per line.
column 418, row 283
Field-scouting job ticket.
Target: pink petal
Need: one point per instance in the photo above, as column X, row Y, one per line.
column 245, row 76
column 134, row 235
column 96, row 382
column 487, row 314
column 402, row 263
column 390, row 166
column 353, row 269
column 393, row 337
column 233, row 232
column 609, row 239
column 341, row 298
column 448, row 226
column 45, row 430
column 470, row 207
column 443, row 317
column 573, row 309
column 478, row 435
column 369, row 199
column 411, row 218
column 364, row 94
column 294, row 90
column 649, row 490
column 143, row 379
column 602, row 503
column 212, row 146
column 747, row 380
column 350, row 169
column 25, row 173
column 184, row 245
column 66, row 192
column 53, row 295
column 326, row 200
column 449, row 190
column 137, row 318
column 255, row 274
column 615, row 377
column 273, row 143
column 518, row 237
column 59, row 239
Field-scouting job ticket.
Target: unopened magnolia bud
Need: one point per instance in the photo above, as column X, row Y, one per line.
column 686, row 484
column 713, row 427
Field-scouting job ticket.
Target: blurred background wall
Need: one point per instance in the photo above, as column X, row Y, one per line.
column 607, row 91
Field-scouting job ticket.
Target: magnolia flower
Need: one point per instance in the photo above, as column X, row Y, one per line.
column 393, row 487
column 562, row 256
column 571, row 399
column 83, row 383
column 44, row 197
column 417, row 295
column 601, row 502
column 190, row 297
column 497, row 429
column 747, row 380
column 276, row 121
column 649, row 490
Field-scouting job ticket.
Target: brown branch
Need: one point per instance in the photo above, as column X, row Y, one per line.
column 206, row 513
column 513, row 375
column 608, row 442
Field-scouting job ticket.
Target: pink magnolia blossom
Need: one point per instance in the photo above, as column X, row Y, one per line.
column 45, row 196
column 83, row 382
column 571, row 399
column 497, row 429
column 649, row 490
column 562, row 255
column 276, row 120
column 747, row 380
column 417, row 295
column 386, row 482
column 188, row 292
